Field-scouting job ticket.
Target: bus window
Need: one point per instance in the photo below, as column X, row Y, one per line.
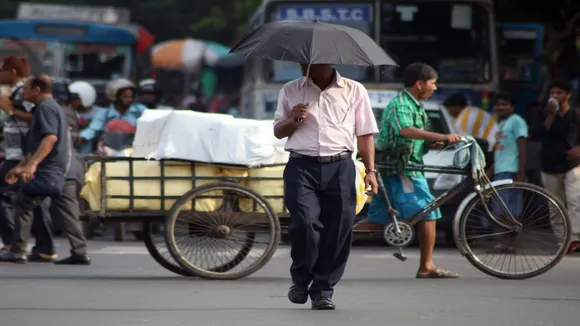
column 96, row 61
column 453, row 38
column 39, row 54
column 517, row 52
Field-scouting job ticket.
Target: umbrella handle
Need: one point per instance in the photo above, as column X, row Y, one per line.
column 304, row 94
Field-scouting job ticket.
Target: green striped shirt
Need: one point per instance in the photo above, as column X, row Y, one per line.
column 402, row 112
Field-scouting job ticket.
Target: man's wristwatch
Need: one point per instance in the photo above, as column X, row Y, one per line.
column 371, row 171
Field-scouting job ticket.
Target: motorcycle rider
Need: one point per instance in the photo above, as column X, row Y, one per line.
column 83, row 96
column 122, row 94
column 150, row 95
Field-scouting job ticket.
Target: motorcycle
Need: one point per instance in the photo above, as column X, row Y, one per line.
column 117, row 139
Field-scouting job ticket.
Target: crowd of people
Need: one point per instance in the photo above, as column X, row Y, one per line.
column 45, row 131
column 48, row 125
column 542, row 147
column 319, row 192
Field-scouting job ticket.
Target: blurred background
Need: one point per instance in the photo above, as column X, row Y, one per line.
column 478, row 46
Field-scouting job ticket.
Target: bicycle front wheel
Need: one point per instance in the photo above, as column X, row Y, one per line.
column 527, row 234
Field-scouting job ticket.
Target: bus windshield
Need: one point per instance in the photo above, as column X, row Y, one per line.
column 356, row 15
column 40, row 54
column 452, row 37
column 95, row 61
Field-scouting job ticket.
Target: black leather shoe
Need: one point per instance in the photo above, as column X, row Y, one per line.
column 74, row 260
column 321, row 303
column 11, row 257
column 298, row 295
column 41, row 258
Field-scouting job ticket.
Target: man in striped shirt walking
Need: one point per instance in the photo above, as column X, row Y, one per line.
column 471, row 121
column 13, row 72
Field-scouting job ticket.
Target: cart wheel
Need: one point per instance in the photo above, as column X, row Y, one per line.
column 222, row 231
column 155, row 244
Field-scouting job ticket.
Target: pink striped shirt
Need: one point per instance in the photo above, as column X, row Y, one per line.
column 335, row 116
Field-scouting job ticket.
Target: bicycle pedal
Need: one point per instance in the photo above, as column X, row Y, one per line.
column 400, row 256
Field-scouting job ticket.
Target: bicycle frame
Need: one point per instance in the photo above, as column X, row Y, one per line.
column 470, row 182
column 438, row 202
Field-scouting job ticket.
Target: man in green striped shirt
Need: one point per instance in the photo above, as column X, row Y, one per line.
column 405, row 125
column 402, row 112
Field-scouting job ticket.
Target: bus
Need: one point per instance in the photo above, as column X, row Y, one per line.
column 457, row 38
column 520, row 50
column 67, row 47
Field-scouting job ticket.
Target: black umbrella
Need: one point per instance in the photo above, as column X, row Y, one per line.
column 312, row 43
column 230, row 61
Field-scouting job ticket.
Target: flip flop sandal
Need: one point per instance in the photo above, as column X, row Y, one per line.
column 438, row 273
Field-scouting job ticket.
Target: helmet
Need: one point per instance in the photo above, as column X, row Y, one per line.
column 148, row 86
column 121, row 126
column 114, row 87
column 60, row 90
column 83, row 91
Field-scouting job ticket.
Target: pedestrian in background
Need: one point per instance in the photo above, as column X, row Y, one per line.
column 510, row 159
column 13, row 72
column 321, row 116
column 66, row 208
column 470, row 120
column 42, row 172
column 511, row 146
column 560, row 161
column 534, row 118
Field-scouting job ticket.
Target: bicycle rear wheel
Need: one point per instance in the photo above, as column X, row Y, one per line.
column 505, row 253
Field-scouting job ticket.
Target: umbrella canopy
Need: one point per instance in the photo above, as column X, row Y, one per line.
column 230, row 61
column 187, row 54
column 314, row 43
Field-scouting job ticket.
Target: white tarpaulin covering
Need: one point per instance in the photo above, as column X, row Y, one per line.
column 207, row 137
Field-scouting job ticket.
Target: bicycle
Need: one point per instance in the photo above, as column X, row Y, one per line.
column 400, row 233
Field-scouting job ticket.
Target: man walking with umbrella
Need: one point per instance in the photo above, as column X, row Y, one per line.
column 320, row 175
column 321, row 114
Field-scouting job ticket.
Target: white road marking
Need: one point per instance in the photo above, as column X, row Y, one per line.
column 134, row 250
column 120, row 250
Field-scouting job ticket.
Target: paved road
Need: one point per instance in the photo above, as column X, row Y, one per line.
column 125, row 286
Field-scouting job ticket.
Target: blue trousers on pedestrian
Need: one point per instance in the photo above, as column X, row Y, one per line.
column 30, row 195
column 321, row 199
column 42, row 226
column 511, row 198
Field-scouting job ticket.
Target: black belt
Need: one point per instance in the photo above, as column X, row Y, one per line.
column 323, row 159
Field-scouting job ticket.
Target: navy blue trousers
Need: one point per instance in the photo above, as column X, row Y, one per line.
column 321, row 199
column 29, row 196
column 42, row 226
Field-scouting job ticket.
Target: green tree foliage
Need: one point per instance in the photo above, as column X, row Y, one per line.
column 553, row 13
